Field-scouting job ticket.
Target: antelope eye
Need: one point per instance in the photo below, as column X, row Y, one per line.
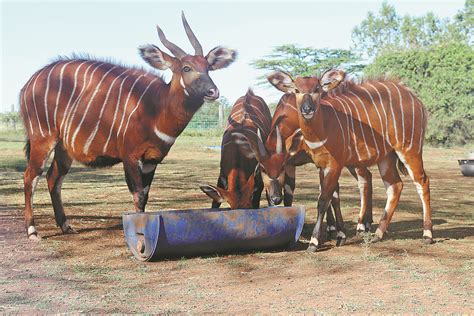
column 186, row 69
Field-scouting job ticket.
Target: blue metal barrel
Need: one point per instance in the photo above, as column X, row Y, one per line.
column 153, row 235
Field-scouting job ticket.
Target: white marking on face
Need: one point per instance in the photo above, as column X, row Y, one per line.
column 186, row 92
column 164, row 137
column 341, row 234
column 314, row 241
column 315, row 145
column 31, row 230
column 181, row 81
column 360, row 227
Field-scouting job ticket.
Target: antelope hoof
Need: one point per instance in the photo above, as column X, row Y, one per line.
column 340, row 241
column 360, row 229
column 67, row 229
column 32, row 234
column 428, row 240
column 313, row 245
column 378, row 236
column 34, row 237
column 368, row 227
column 331, row 232
column 428, row 237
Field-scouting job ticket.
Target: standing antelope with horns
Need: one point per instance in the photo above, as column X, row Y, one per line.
column 376, row 122
column 240, row 182
column 101, row 114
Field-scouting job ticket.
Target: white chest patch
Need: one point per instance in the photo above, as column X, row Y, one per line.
column 165, row 137
column 315, row 145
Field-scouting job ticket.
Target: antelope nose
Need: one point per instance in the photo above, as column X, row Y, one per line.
column 276, row 200
column 212, row 93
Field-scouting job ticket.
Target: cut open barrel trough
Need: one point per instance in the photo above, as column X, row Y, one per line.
column 154, row 235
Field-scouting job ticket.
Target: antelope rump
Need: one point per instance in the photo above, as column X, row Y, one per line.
column 347, row 124
column 100, row 113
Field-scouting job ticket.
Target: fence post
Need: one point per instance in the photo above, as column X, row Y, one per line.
column 221, row 114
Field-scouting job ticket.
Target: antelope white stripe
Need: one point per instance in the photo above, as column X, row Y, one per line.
column 385, row 113
column 368, row 121
column 412, row 120
column 401, row 114
column 136, row 107
column 78, row 101
column 72, row 94
column 26, row 105
column 46, row 98
column 340, row 125
column 97, row 89
column 59, row 91
column 115, row 114
column 378, row 114
column 393, row 114
column 331, row 97
column 96, row 129
column 34, row 102
column 360, row 124
column 353, row 129
column 315, row 145
column 126, row 103
column 164, row 137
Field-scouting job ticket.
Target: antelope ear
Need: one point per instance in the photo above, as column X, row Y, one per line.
column 220, row 57
column 294, row 142
column 213, row 192
column 331, row 79
column 282, row 81
column 245, row 147
column 155, row 57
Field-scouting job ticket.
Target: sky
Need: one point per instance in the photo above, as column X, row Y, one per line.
column 33, row 33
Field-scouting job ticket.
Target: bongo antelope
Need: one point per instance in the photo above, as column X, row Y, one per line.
column 240, row 183
column 376, row 122
column 100, row 114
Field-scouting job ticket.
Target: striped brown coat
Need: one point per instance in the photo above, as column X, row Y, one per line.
column 101, row 113
column 376, row 122
column 240, row 183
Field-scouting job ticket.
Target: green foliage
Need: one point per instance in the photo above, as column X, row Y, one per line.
column 388, row 31
column 443, row 78
column 10, row 119
column 307, row 61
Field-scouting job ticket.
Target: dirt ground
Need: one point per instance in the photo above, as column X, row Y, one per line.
column 94, row 271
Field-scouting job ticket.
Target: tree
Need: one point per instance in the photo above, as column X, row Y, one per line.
column 388, row 31
column 442, row 76
column 307, row 61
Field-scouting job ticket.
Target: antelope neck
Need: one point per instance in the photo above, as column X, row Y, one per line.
column 313, row 129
